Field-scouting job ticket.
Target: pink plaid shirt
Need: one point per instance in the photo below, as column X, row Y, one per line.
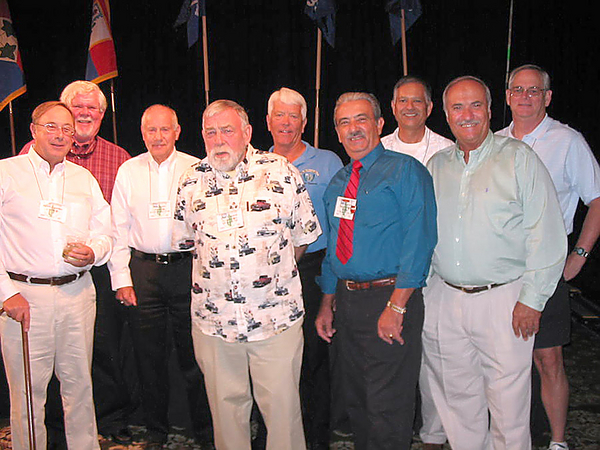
column 101, row 157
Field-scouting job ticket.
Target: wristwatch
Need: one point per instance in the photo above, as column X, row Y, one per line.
column 581, row 252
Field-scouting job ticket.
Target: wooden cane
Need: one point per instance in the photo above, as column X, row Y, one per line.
column 28, row 389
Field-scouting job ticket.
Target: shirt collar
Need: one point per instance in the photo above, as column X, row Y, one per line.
column 167, row 163
column 41, row 164
column 475, row 156
column 368, row 160
column 537, row 132
column 83, row 151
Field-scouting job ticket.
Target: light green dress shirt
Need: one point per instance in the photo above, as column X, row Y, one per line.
column 499, row 219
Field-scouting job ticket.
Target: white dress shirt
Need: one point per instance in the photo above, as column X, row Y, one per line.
column 423, row 150
column 31, row 243
column 570, row 161
column 142, row 204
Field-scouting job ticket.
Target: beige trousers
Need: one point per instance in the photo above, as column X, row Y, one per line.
column 60, row 340
column 271, row 370
column 473, row 363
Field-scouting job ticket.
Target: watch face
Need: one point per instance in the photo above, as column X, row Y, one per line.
column 581, row 252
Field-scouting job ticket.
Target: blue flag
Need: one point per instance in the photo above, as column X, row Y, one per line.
column 412, row 11
column 322, row 12
column 191, row 11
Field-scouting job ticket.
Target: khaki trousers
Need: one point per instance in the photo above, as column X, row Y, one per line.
column 269, row 370
column 60, row 340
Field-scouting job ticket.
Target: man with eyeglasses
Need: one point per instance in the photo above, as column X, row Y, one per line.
column 151, row 279
column 88, row 104
column 576, row 175
column 55, row 225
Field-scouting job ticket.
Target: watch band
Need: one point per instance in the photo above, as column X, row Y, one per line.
column 581, row 252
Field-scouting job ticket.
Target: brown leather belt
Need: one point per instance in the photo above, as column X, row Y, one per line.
column 53, row 281
column 160, row 258
column 362, row 285
column 475, row 289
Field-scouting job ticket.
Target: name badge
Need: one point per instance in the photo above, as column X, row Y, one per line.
column 345, row 208
column 159, row 210
column 230, row 220
column 52, row 211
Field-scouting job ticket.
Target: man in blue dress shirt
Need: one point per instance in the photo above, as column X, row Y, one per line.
column 380, row 240
column 286, row 120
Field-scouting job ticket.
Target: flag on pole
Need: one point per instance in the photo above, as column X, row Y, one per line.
column 102, row 61
column 12, row 83
column 191, row 11
column 412, row 11
column 322, row 12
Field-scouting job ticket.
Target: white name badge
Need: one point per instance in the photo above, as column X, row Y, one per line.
column 52, row 211
column 345, row 208
column 230, row 220
column 159, row 210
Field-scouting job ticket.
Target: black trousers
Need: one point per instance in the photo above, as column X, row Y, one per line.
column 111, row 353
column 378, row 379
column 163, row 301
column 314, row 377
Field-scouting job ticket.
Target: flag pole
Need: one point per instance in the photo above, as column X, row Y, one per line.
column 13, row 144
column 114, row 110
column 205, row 55
column 508, row 48
column 404, row 56
column 318, row 85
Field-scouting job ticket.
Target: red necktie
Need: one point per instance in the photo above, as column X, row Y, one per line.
column 346, row 229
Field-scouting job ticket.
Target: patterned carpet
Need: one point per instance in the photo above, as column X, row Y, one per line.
column 582, row 360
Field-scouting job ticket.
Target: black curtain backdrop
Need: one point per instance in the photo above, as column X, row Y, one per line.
column 257, row 46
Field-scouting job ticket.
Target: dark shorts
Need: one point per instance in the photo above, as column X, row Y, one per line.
column 555, row 324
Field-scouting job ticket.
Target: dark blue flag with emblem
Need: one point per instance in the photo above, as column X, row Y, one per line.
column 412, row 11
column 322, row 12
column 190, row 12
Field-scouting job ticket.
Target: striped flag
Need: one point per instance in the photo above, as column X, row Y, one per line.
column 12, row 83
column 102, row 61
column 190, row 13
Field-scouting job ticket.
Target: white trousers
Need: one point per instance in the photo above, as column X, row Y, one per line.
column 271, row 369
column 473, row 363
column 60, row 339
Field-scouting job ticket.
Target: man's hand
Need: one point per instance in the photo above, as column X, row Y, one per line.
column 573, row 266
column 80, row 255
column 126, row 295
column 324, row 321
column 390, row 324
column 17, row 308
column 526, row 321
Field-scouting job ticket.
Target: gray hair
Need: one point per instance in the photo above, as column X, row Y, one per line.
column 149, row 109
column 289, row 97
column 538, row 69
column 410, row 79
column 219, row 106
column 82, row 87
column 488, row 95
column 354, row 96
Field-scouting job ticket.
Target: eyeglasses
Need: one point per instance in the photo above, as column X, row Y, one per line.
column 530, row 92
column 52, row 128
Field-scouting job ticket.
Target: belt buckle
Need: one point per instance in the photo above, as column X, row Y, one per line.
column 348, row 285
column 161, row 259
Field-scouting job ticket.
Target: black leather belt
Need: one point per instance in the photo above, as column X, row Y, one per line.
column 160, row 258
column 52, row 281
column 475, row 289
column 363, row 285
